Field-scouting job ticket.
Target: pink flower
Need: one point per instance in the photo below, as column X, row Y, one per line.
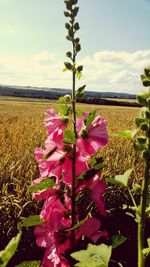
column 66, row 168
column 93, row 137
column 97, row 188
column 53, row 257
column 91, row 230
column 55, row 249
column 53, row 212
column 53, row 122
column 48, row 163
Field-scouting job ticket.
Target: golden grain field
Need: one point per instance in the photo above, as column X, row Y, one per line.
column 22, row 130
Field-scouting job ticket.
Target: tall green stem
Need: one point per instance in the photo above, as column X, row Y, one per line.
column 143, row 202
column 74, row 145
column 141, row 223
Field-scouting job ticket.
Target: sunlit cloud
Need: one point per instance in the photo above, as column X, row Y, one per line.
column 103, row 71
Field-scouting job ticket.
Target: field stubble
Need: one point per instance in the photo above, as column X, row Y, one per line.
column 22, row 130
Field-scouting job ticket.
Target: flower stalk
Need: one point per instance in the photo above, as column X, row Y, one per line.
column 72, row 27
column 143, row 144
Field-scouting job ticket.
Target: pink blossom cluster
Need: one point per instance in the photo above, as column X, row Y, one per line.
column 55, row 160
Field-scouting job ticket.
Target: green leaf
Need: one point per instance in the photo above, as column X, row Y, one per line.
column 32, row 221
column 99, row 166
column 77, row 225
column 9, row 251
column 49, row 153
column 90, row 118
column 140, row 143
column 139, row 121
column 142, row 98
column 44, row 184
column 117, row 240
column 127, row 133
column 120, row 180
column 64, row 109
column 69, row 137
column 29, row 264
column 145, row 80
column 94, row 256
column 64, row 99
column 80, row 91
column 146, row 251
column 79, row 74
column 147, row 72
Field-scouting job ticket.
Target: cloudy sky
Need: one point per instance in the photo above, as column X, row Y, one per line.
column 114, row 35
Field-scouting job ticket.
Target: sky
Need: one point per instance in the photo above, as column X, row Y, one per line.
column 114, row 34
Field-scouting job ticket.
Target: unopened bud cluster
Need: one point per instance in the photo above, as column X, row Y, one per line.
column 143, row 122
column 72, row 27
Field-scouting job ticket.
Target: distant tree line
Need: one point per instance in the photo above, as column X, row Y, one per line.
column 54, row 95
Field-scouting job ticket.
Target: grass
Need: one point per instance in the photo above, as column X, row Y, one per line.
column 22, row 130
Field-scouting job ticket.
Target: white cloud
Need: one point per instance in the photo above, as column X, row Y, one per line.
column 104, row 71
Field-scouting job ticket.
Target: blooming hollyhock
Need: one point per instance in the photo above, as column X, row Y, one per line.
column 93, row 137
column 47, row 163
column 97, row 189
column 90, row 229
column 48, row 234
column 58, row 163
column 53, row 122
column 55, row 249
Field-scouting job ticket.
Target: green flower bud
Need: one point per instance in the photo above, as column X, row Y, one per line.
column 147, row 115
column 148, row 101
column 75, row 11
column 77, row 40
column 68, row 65
column 69, row 54
column 67, row 14
column 147, row 72
column 76, row 26
column 148, row 133
column 67, row 25
column 68, row 38
column 69, row 6
column 78, row 47
column 146, row 154
column 139, row 121
column 74, row 2
column 79, row 68
column 144, row 126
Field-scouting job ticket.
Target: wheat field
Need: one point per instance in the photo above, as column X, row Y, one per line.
column 22, row 130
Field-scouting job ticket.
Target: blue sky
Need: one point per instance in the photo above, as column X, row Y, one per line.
column 114, row 35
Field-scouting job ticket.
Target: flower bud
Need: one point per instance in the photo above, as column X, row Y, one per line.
column 69, row 6
column 69, row 54
column 68, row 65
column 147, row 115
column 78, row 47
column 67, row 25
column 146, row 154
column 75, row 11
column 144, row 126
column 148, row 101
column 74, row 2
column 77, row 40
column 67, row 14
column 79, row 68
column 68, row 38
column 76, row 26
